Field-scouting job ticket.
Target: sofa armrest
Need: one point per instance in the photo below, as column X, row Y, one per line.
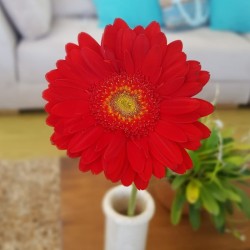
column 8, row 41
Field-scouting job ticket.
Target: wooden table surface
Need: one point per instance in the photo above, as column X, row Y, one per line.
column 83, row 220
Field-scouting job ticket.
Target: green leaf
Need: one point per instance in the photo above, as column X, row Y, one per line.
column 197, row 204
column 219, row 221
column 245, row 202
column 227, row 140
column 178, row 181
column 232, row 195
column 242, row 146
column 177, row 206
column 229, row 207
column 209, row 202
column 196, row 161
column 216, row 191
column 228, row 133
column 194, row 217
column 236, row 160
column 212, row 141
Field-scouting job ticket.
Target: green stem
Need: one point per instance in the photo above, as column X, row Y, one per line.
column 132, row 201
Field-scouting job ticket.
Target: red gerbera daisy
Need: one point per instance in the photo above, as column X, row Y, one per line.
column 125, row 106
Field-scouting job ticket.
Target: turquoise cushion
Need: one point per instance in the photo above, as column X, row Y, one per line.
column 233, row 15
column 134, row 12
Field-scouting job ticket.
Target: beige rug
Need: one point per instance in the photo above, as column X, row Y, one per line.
column 30, row 205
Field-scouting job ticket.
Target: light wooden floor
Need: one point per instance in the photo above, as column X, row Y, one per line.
column 83, row 222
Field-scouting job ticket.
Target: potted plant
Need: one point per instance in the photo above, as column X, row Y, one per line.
column 216, row 184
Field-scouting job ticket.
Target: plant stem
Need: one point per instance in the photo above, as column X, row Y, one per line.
column 132, row 201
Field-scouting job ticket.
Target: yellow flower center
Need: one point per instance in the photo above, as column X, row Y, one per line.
column 125, row 104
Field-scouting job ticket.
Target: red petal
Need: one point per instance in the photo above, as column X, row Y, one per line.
column 181, row 118
column 140, row 183
column 113, row 168
column 71, row 46
column 171, row 131
column 152, row 28
column 96, row 167
column 89, row 156
column 143, row 144
column 191, row 145
column 114, row 160
column 176, row 58
column 206, row 108
column 52, row 120
column 53, row 75
column 204, row 129
column 128, row 63
column 84, row 167
column 180, row 169
column 136, row 157
column 116, row 142
column 189, row 89
column 204, row 77
column 148, row 170
column 192, row 132
column 178, row 69
column 187, row 160
column 173, row 48
column 179, row 106
column 74, row 125
column 74, row 71
column 140, row 49
column 151, row 69
column 83, row 140
column 128, row 176
column 61, row 141
column 103, row 141
column 170, row 86
column 194, row 69
column 160, row 39
column 96, row 63
column 159, row 170
column 128, row 40
column 85, row 40
column 70, row 108
column 119, row 23
column 118, row 44
column 164, row 151
column 109, row 37
column 139, row 30
column 58, row 93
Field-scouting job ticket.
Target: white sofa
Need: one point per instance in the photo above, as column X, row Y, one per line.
column 24, row 62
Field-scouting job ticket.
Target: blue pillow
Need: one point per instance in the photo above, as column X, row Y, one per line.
column 233, row 15
column 134, row 12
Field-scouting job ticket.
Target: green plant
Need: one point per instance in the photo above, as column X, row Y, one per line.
column 215, row 184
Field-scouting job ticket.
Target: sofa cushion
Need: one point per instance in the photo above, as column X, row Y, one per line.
column 230, row 15
column 134, row 12
column 247, row 36
column 227, row 61
column 8, row 41
column 31, row 18
column 66, row 8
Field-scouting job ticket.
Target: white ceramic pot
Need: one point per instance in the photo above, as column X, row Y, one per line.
column 123, row 232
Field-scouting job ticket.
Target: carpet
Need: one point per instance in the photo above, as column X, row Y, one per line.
column 30, row 205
